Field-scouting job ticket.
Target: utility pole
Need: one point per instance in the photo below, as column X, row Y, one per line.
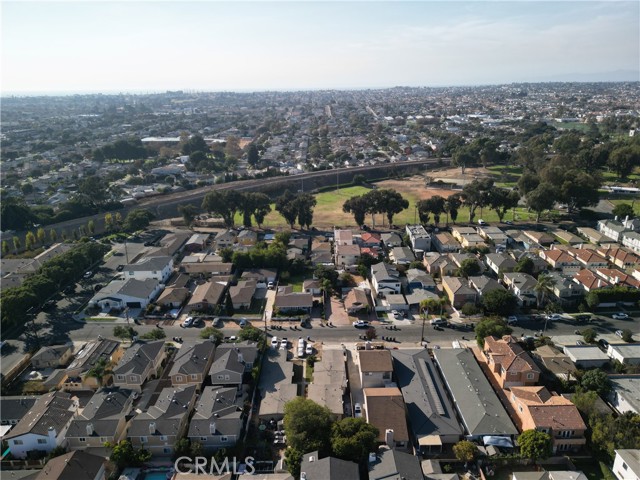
column 424, row 318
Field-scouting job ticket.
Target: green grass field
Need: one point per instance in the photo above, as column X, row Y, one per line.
column 629, row 201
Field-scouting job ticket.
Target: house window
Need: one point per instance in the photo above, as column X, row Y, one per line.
column 203, row 439
column 154, row 272
column 513, row 374
column 82, row 439
column 178, row 378
column 18, row 442
column 220, row 377
column 120, row 377
column 224, row 439
column 167, row 449
column 386, row 375
column 503, row 371
column 194, row 377
column 624, row 466
column 530, row 376
column 163, row 438
column 131, row 274
column 143, row 440
column 369, row 373
column 103, row 439
column 227, row 377
column 42, row 441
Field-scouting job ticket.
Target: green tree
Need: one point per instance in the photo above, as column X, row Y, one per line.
column 353, row 438
column 137, row 219
column 308, row 426
column 465, row 451
column 596, row 381
column 100, row 370
column 499, row 302
column 188, row 213
column 262, row 207
column 491, row 326
column 525, row 265
column 358, row 206
column 91, row 227
column 41, row 235
column 502, row 200
column 469, row 268
column 108, row 222
column 195, row 143
column 542, row 198
column 29, row 241
column 5, row 248
column 589, row 335
column 224, row 203
column 53, row 236
column 609, row 432
column 623, row 210
column 476, row 195
column 624, row 159
column 392, row 202
column 544, row 287
column 123, row 454
column 16, row 244
column 155, row 334
column 451, row 206
column 286, row 206
column 535, row 445
column 305, row 203
column 208, row 332
column 627, row 335
column 124, row 333
column 253, row 157
column 251, row 333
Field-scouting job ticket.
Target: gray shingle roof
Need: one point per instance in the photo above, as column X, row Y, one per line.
column 137, row 358
column 148, row 264
column 478, row 405
column 328, row 468
column 220, row 406
column 193, row 358
column 167, row 414
column 53, row 409
column 102, row 414
column 14, row 408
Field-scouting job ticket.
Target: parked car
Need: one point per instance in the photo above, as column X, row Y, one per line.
column 188, row 322
column 309, row 349
column 284, row 344
column 88, row 274
column 217, row 322
column 619, row 316
column 482, row 223
column 274, row 342
column 583, row 318
column 438, row 322
column 619, row 333
column 512, row 320
column 603, row 343
column 554, row 316
column 242, row 322
column 360, row 324
column 357, row 410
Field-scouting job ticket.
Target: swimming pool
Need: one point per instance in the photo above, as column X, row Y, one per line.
column 155, row 475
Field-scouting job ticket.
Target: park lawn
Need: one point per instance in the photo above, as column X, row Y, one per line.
column 636, row 205
column 612, row 177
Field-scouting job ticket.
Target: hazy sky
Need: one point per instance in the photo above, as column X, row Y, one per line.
column 208, row 45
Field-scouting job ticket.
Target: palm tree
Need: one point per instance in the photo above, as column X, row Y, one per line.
column 100, row 370
column 544, row 286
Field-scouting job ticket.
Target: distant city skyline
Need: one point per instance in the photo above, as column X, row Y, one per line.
column 145, row 46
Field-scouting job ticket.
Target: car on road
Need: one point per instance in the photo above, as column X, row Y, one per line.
column 482, row 223
column 274, row 342
column 242, row 322
column 619, row 333
column 218, row 323
column 309, row 349
column 580, row 343
column 187, row 322
column 554, row 316
column 438, row 322
column 120, row 268
column 512, row 320
column 603, row 343
column 583, row 318
column 270, row 285
column 357, row 410
column 284, row 344
column 360, row 324
column 509, row 222
column 619, row 316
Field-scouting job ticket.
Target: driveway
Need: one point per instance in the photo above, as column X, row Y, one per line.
column 336, row 314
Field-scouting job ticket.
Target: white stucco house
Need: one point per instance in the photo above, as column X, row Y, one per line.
column 127, row 293
column 157, row 268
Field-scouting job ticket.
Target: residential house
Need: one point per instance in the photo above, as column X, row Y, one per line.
column 401, row 255
column 357, row 300
column 52, row 357
column 44, row 427
column 459, row 258
column 391, row 239
column 555, row 363
column 564, row 290
column 509, row 363
column 197, row 242
column 523, row 286
column 313, row 467
column 231, row 362
column 276, row 386
column 321, row 253
column 173, row 297
column 431, row 415
column 493, row 234
column 542, row 239
column 483, row 284
column 346, row 255
column 225, row 239
column 625, row 353
column 206, row 296
column 330, row 382
column 376, row 368
column 342, row 237
column 626, row 465
column 162, row 424
column 76, row 465
column 103, row 419
column 588, row 280
column 247, row 238
column 396, row 301
column 616, row 277
column 568, row 237
column 459, row 231
column 385, row 278
column 444, row 242
column 478, row 406
column 538, row 409
column 104, row 351
column 242, row 294
column 157, row 268
column 395, row 464
column 262, row 276
column 500, row 263
column 589, row 258
column 13, row 408
column 289, row 301
column 130, row 292
column 612, row 229
column 586, row 356
column 141, row 362
column 621, row 257
column 418, row 279
column 631, row 240
column 419, row 238
column 191, row 363
column 625, row 393
column 458, row 291
column 385, row 410
column 206, row 269
column 561, row 260
column 370, row 240
column 218, row 418
column 312, row 286
column 595, row 236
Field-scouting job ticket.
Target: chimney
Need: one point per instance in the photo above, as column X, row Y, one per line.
column 388, row 437
column 212, row 428
column 152, row 428
column 52, row 434
column 89, row 429
column 240, row 357
column 312, row 458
